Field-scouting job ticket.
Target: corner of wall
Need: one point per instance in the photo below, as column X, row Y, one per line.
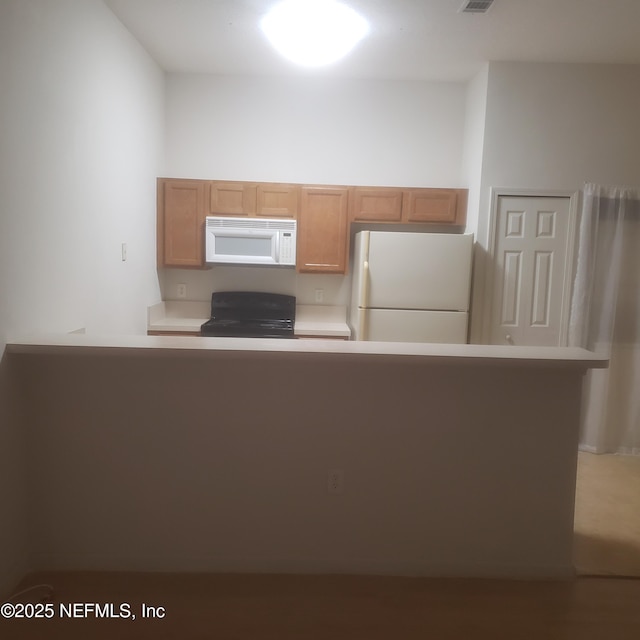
column 473, row 149
column 477, row 211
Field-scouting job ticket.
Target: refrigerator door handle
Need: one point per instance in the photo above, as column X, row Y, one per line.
column 364, row 301
column 364, row 289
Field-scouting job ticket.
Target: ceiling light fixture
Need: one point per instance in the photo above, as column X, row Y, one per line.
column 313, row 33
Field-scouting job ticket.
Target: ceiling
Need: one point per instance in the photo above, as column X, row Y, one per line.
column 409, row 39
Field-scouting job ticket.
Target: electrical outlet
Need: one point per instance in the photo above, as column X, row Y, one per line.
column 319, row 295
column 182, row 291
column 335, row 481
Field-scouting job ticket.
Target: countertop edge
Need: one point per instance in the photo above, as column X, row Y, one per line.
column 188, row 346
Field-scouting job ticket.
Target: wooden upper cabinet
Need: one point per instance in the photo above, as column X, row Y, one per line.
column 232, row 198
column 405, row 206
column 446, row 206
column 181, row 214
column 324, row 214
column 268, row 200
column 277, row 200
column 376, row 204
column 323, row 230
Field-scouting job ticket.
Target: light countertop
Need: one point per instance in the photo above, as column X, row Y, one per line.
column 311, row 320
column 178, row 316
column 319, row 320
column 428, row 353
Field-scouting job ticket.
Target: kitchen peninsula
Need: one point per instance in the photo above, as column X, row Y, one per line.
column 213, row 454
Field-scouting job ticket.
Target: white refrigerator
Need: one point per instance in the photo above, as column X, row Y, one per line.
column 411, row 287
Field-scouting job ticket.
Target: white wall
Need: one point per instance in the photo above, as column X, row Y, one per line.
column 81, row 131
column 555, row 127
column 82, row 122
column 315, row 130
column 311, row 130
column 201, row 284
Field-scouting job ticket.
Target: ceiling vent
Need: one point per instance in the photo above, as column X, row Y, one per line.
column 476, row 6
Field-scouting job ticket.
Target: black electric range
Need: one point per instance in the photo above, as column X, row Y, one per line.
column 250, row 314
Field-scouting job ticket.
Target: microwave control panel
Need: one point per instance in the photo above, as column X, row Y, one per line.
column 288, row 247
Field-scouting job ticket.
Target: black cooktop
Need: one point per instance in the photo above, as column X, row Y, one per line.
column 250, row 314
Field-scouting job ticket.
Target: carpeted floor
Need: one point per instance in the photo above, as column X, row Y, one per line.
column 607, row 516
column 262, row 607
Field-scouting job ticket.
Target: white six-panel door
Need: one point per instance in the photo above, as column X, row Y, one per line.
column 530, row 270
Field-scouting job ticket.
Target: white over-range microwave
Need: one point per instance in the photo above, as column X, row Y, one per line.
column 259, row 241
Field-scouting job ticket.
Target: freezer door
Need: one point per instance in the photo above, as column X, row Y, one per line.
column 419, row 270
column 389, row 325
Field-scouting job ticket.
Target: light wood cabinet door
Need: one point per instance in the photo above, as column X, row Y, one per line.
column 446, row 206
column 376, row 204
column 232, row 198
column 181, row 217
column 277, row 200
column 323, row 230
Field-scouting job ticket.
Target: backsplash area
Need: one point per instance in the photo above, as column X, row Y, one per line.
column 200, row 284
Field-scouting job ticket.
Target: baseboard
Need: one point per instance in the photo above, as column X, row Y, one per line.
column 302, row 566
column 587, row 448
column 622, row 451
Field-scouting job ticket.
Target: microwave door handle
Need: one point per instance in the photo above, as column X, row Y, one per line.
column 276, row 245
